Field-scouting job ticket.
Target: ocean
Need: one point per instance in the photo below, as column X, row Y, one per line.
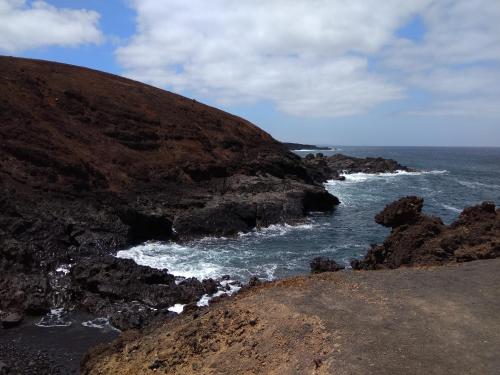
column 449, row 180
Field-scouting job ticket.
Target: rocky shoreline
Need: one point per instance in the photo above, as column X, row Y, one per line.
column 235, row 336
column 84, row 174
column 83, row 177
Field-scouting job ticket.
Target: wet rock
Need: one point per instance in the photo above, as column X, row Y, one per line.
column 131, row 295
column 192, row 289
column 10, row 319
column 254, row 281
column 210, row 286
column 323, row 264
column 117, row 279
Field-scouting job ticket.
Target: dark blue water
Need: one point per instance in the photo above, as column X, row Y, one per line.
column 451, row 179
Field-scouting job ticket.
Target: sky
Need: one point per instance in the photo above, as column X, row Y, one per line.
column 329, row 72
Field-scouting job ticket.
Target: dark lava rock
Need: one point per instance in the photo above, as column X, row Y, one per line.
column 254, row 281
column 4, row 369
column 323, row 264
column 403, row 211
column 323, row 168
column 122, row 279
column 300, row 146
column 11, row 319
column 130, row 294
column 136, row 316
column 418, row 239
column 210, row 286
column 85, row 172
column 28, row 292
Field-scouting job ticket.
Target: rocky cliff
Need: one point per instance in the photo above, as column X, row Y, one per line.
column 91, row 163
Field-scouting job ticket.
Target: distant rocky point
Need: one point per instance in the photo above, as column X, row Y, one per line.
column 299, row 146
column 323, row 168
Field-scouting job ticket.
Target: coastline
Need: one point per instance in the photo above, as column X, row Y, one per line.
column 86, row 176
column 412, row 320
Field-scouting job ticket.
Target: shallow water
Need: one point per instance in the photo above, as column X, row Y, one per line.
column 451, row 179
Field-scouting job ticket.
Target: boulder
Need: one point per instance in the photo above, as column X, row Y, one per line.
column 4, row 369
column 11, row 319
column 323, row 264
column 406, row 210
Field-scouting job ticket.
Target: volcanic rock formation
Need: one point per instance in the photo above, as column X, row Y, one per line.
column 419, row 239
column 91, row 163
column 324, row 168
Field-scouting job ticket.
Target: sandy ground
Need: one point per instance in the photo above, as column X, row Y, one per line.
column 441, row 320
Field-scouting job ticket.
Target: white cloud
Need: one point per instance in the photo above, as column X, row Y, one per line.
column 458, row 60
column 314, row 57
column 458, row 32
column 26, row 25
column 309, row 57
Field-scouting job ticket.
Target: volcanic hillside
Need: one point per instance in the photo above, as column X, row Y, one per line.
column 91, row 163
column 67, row 127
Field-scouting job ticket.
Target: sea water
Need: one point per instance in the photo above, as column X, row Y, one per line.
column 449, row 180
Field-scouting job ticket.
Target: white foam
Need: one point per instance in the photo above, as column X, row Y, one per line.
column 55, row 318
column 276, row 230
column 176, row 258
column 476, row 184
column 233, row 288
column 361, row 177
column 64, row 268
column 316, row 150
column 451, row 208
column 99, row 323
column 177, row 308
column 209, row 257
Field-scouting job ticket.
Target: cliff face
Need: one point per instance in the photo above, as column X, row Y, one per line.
column 91, row 162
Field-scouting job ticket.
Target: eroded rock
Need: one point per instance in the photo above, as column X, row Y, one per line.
column 418, row 239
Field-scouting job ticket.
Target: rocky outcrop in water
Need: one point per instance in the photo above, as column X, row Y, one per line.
column 301, row 146
column 419, row 239
column 91, row 163
column 324, row 168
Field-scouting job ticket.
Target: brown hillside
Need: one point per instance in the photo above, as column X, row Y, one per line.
column 103, row 131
